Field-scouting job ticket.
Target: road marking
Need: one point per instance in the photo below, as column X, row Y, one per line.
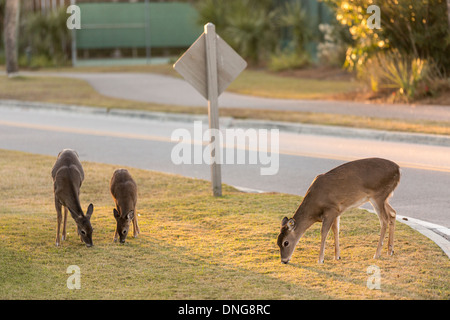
column 168, row 139
column 89, row 132
column 347, row 158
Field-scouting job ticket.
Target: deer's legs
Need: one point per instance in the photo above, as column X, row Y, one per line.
column 64, row 232
column 335, row 227
column 58, row 222
column 392, row 214
column 329, row 219
column 383, row 215
column 136, row 230
column 380, row 242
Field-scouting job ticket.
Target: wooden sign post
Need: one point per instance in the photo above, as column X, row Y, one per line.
column 210, row 65
column 213, row 106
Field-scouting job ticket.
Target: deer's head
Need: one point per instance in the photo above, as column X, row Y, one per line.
column 84, row 225
column 287, row 239
column 123, row 223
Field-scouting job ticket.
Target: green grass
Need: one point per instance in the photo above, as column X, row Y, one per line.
column 79, row 92
column 270, row 85
column 194, row 246
column 73, row 91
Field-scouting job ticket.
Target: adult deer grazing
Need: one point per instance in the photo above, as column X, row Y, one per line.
column 347, row 186
column 124, row 192
column 68, row 175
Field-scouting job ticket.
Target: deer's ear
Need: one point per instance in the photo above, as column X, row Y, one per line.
column 116, row 214
column 89, row 211
column 130, row 215
column 284, row 221
column 291, row 224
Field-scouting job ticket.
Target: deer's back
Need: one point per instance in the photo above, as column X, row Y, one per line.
column 355, row 181
column 68, row 175
column 68, row 159
column 123, row 188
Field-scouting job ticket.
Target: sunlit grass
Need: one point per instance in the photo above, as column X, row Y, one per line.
column 264, row 84
column 194, row 246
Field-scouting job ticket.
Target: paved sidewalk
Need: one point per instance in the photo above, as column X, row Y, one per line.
column 149, row 87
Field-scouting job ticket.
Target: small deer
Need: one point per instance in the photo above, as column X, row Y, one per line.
column 347, row 186
column 68, row 175
column 124, row 192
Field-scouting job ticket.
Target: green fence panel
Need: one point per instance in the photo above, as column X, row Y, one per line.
column 124, row 25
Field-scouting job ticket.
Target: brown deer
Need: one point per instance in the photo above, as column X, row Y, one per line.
column 68, row 175
column 124, row 192
column 347, row 186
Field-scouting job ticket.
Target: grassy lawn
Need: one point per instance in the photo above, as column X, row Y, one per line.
column 74, row 91
column 194, row 246
column 79, row 92
column 270, row 85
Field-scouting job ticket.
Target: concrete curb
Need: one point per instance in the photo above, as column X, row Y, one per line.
column 227, row 122
column 347, row 132
column 436, row 233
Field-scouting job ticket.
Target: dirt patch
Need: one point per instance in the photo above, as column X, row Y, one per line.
column 443, row 99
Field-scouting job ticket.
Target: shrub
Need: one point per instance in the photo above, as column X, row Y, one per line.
column 251, row 29
column 47, row 38
column 286, row 60
column 407, row 77
column 417, row 28
column 331, row 51
column 293, row 17
column 254, row 28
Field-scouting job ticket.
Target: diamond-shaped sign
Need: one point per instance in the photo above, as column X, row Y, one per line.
column 192, row 65
column 210, row 65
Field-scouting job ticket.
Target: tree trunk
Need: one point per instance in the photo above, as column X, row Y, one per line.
column 11, row 28
column 448, row 13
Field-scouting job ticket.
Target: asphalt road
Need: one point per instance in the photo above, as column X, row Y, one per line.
column 423, row 192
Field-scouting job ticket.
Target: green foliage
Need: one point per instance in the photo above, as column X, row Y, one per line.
column 251, row 29
column 406, row 76
column 294, row 18
column 391, row 70
column 254, row 27
column 286, row 60
column 417, row 28
column 37, row 61
column 47, row 37
column 332, row 49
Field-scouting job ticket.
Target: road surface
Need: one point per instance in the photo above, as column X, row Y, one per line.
column 423, row 192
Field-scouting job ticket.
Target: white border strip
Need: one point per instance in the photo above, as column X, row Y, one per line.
column 426, row 228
